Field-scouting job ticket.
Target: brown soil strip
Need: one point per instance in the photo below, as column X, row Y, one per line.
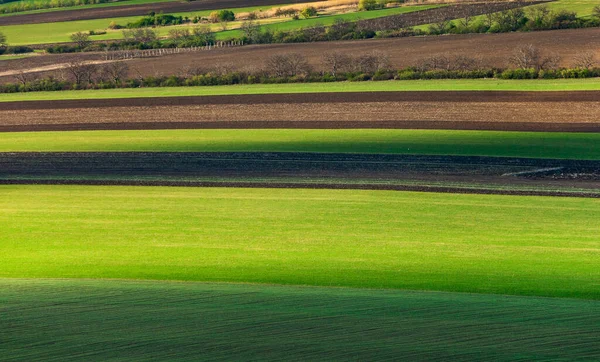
column 134, row 10
column 506, row 111
column 402, row 52
column 466, row 126
column 453, row 190
column 314, row 98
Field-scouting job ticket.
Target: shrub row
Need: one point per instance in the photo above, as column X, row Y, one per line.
column 213, row 79
column 15, row 50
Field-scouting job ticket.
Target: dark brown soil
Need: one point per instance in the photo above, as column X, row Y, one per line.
column 134, row 10
column 492, row 49
column 515, row 111
column 307, row 170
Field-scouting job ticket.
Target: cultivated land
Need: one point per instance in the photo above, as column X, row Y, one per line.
column 519, row 111
column 303, row 231
column 402, row 52
column 186, row 321
column 375, row 239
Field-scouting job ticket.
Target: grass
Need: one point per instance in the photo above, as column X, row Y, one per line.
column 105, row 320
column 29, row 34
column 12, row 57
column 428, row 142
column 79, row 7
column 371, row 86
column 543, row 246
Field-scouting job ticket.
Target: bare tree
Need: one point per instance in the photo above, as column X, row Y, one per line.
column 434, row 62
column 464, row 63
column 81, row 39
column 24, row 77
column 530, row 57
column 287, row 65
column 596, row 12
column 585, row 60
column 80, row 72
column 371, row 63
column 142, row 35
column 539, row 15
column 441, row 27
column 251, row 30
column 468, row 15
column 115, row 71
column 336, row 62
column 191, row 70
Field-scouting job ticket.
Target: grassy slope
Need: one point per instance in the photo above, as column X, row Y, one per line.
column 98, row 320
column 425, row 241
column 80, row 7
column 433, row 142
column 60, row 32
column 379, row 86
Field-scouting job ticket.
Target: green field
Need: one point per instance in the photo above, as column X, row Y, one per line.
column 379, row 86
column 106, row 320
column 91, row 6
column 428, row 142
column 543, row 246
column 61, row 31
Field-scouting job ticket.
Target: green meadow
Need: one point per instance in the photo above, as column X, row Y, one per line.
column 108, row 320
column 537, row 246
column 536, row 85
column 427, row 142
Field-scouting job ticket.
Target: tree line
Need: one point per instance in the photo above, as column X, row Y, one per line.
column 527, row 62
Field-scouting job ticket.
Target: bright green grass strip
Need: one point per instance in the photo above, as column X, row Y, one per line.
column 428, row 142
column 379, row 86
column 544, row 246
column 108, row 320
column 13, row 57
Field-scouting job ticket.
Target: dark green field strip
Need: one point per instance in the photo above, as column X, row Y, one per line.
column 61, row 320
column 554, row 145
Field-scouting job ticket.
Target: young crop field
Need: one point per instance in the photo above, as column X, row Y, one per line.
column 382, row 86
column 556, row 145
column 375, row 239
column 191, row 321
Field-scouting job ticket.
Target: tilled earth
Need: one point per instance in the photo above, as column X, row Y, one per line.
column 493, row 50
column 515, row 111
column 363, row 171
